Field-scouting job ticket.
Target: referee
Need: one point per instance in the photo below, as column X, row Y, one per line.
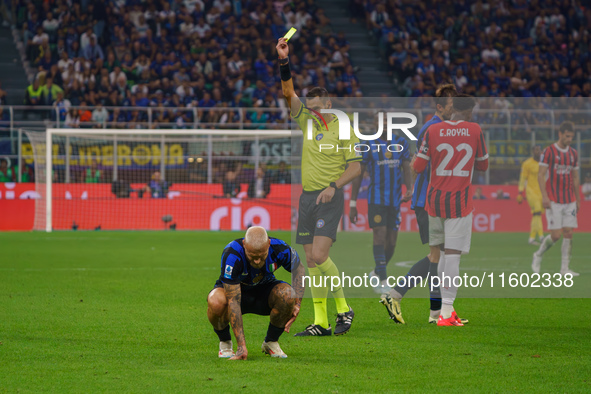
column 324, row 173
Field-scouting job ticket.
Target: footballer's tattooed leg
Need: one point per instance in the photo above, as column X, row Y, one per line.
column 217, row 309
column 234, row 297
column 282, row 302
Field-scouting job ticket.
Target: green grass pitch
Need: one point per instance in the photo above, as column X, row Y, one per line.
column 125, row 312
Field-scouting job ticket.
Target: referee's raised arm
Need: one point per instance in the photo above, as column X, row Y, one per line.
column 286, row 80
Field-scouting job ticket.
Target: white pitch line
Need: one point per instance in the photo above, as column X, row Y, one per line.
column 525, row 267
column 111, row 269
column 77, row 239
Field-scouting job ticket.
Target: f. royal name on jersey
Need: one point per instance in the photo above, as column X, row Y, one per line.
column 462, row 132
column 345, row 131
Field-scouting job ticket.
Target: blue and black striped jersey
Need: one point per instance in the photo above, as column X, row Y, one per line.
column 235, row 268
column 385, row 170
column 419, row 195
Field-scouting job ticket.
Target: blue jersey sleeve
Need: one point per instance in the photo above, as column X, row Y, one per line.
column 294, row 259
column 366, row 157
column 232, row 264
column 420, row 136
column 285, row 256
column 405, row 150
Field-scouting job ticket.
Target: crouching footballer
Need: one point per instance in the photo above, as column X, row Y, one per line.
column 247, row 285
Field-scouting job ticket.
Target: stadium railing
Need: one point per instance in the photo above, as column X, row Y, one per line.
column 509, row 132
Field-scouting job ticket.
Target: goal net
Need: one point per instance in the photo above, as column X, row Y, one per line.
column 118, row 179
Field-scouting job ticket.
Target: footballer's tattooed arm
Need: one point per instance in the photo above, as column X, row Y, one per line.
column 298, row 283
column 299, row 288
column 234, row 297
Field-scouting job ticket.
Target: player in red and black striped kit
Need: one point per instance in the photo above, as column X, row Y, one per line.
column 455, row 148
column 560, row 195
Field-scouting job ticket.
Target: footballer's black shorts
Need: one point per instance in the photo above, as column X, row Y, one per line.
column 423, row 222
column 254, row 299
column 319, row 220
column 383, row 215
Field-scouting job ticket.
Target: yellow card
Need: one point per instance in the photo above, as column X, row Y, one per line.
column 290, row 33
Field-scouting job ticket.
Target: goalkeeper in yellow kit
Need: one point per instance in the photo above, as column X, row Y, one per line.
column 528, row 180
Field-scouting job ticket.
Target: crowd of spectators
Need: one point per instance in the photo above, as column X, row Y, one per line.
column 9, row 173
column 518, row 48
column 177, row 55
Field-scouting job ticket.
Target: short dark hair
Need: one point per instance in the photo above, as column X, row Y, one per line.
column 567, row 126
column 317, row 92
column 443, row 92
column 464, row 102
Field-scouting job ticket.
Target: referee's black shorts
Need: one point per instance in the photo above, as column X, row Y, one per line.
column 255, row 299
column 423, row 222
column 319, row 220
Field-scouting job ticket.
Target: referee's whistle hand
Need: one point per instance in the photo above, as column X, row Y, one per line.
column 325, row 196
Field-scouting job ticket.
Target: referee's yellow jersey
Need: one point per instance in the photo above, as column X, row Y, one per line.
column 529, row 174
column 320, row 167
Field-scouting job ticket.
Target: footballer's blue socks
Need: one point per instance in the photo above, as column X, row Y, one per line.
column 421, row 269
column 389, row 252
column 434, row 291
column 224, row 334
column 273, row 333
column 379, row 256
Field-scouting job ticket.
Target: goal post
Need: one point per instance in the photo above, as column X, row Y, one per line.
column 136, row 179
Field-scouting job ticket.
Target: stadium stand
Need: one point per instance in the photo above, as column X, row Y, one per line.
column 180, row 54
column 211, row 63
column 512, row 48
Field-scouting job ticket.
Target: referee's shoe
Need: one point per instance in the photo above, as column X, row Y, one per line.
column 315, row 330
column 344, row 321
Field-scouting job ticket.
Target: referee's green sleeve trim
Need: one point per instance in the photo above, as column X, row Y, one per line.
column 355, row 159
column 300, row 111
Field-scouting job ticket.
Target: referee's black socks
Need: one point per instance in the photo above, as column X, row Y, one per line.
column 273, row 333
column 224, row 334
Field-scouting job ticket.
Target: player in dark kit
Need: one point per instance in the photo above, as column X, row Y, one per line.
column 247, row 285
column 560, row 195
column 385, row 161
column 424, row 267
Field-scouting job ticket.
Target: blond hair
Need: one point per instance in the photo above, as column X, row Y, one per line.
column 256, row 238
